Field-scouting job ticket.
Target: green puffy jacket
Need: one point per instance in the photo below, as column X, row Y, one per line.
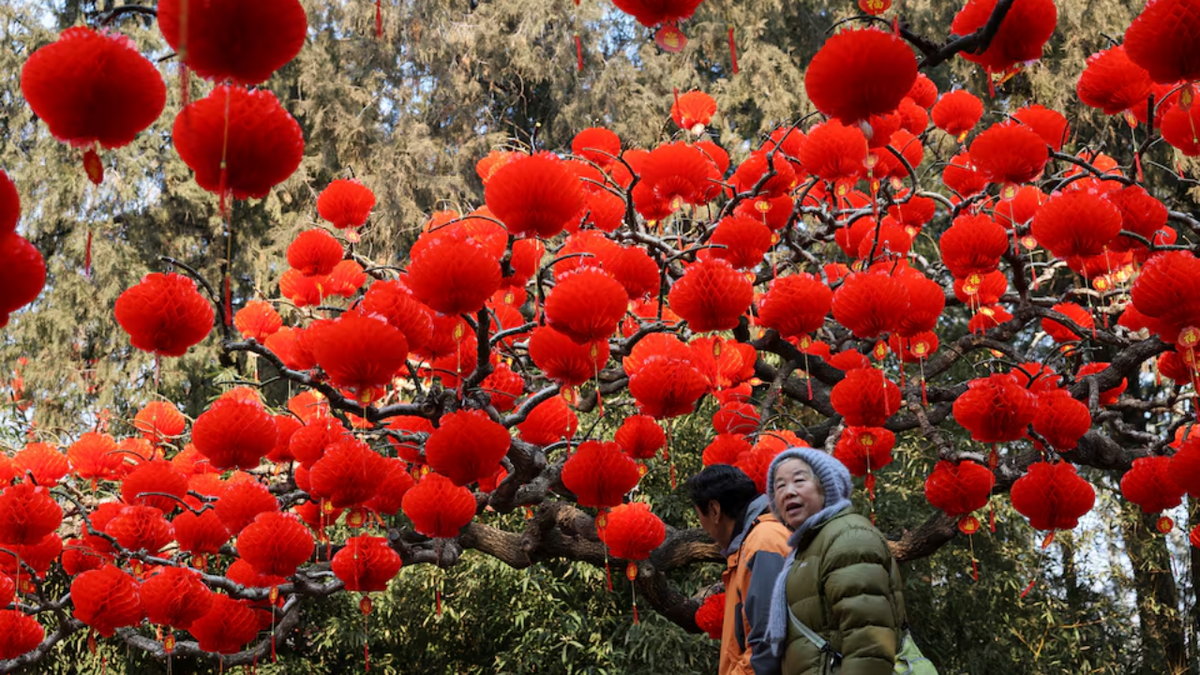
column 846, row 586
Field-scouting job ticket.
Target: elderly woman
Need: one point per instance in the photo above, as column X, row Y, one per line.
column 837, row 606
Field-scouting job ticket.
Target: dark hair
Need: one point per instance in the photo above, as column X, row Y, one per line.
column 728, row 485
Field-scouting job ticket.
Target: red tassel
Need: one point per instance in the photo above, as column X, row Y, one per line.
column 1028, row 588
column 578, row 53
column 378, row 19
column 87, row 255
column 228, row 302
column 93, row 167
column 185, row 94
column 733, row 50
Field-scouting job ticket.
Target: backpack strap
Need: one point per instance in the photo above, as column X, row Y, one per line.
column 821, row 643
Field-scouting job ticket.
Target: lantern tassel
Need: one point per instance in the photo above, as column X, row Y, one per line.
column 974, row 561
column 578, row 54
column 378, row 19
column 733, row 50
column 87, row 255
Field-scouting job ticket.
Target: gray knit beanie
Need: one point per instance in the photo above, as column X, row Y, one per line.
column 835, row 481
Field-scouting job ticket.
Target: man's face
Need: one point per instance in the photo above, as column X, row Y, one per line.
column 798, row 494
column 713, row 523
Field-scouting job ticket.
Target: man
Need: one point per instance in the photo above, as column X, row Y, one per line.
column 754, row 543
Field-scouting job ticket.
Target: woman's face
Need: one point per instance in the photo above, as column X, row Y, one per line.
column 798, row 494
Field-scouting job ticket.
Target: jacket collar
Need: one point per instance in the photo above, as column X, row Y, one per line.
column 753, row 510
column 809, row 528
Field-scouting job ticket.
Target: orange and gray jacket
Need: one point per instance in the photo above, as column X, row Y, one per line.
column 753, row 560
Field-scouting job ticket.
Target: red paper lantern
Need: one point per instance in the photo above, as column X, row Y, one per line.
column 859, row 73
column 1022, row 34
column 314, row 253
column 599, row 474
column 973, row 245
column 961, row 176
column 346, row 204
column 1152, row 484
column 234, row 434
column 711, row 295
column 865, row 450
column 1140, row 213
column 597, row 145
column 724, row 449
column 710, row 617
column 549, row 422
column 640, row 437
column 1009, row 153
column 140, row 528
column 1052, row 496
column 746, row 181
column 586, row 305
column 160, row 422
column 257, row 321
column 366, row 564
column 164, row 314
column 22, row 276
column 693, row 110
column 959, row 488
column 666, row 387
column 107, row 599
column 175, row 597
column 1179, row 126
column 835, row 153
column 865, row 398
column 632, row 532
column 247, row 132
column 19, row 634
column 746, row 240
column 158, row 476
column 1113, row 83
column 227, row 627
column 1049, row 124
column 1107, row 396
column 673, row 175
column 275, row 544
column 563, row 360
column 395, row 302
column 1061, row 333
column 37, row 556
column 439, row 508
column 234, row 40
column 795, row 305
column 1165, row 291
column 957, row 112
column 467, row 446
column 995, row 409
column 1162, row 39
column 653, row 12
column 736, row 418
column 361, row 353
column 870, row 304
column 29, row 514
column 923, row 92
column 202, row 534
column 349, row 474
column 94, row 457
column 454, row 276
column 240, row 503
column 1076, row 223
column 43, row 461
column 926, row 300
column 396, row 483
column 1061, row 419
column 93, row 88
column 534, row 196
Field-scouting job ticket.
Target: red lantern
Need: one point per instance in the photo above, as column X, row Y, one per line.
column 865, row 450
column 586, row 305
column 160, row 422
column 711, row 295
column 957, row 112
column 240, row 503
column 549, row 422
column 1165, row 292
column 694, row 110
column 467, row 446
column 666, row 387
column 1061, row 419
column 1178, row 129
column 795, row 305
column 995, row 409
column 865, row 398
column 349, row 474
column 632, row 532
column 565, row 361
column 202, row 534
column 859, row 73
column 1049, row 124
column 1140, row 213
column 395, row 302
column 651, row 13
column 1113, row 83
column 22, row 276
column 1052, row 496
column 1076, row 223
column 725, row 449
column 736, row 418
column 314, row 253
column 961, row 176
column 257, row 321
column 233, row 40
column 1161, row 40
column 238, row 141
column 973, row 245
column 43, row 461
column 366, row 564
column 1107, row 396
column 534, row 196
column 870, row 304
column 746, row 180
column 164, row 314
column 439, row 508
column 107, row 599
column 227, row 627
column 140, row 528
column 1009, row 153
column 175, row 597
column 346, row 204
column 958, row 489
column 396, row 483
column 599, row 474
column 309, row 442
column 87, row 105
column 710, row 617
column 275, row 544
column 30, row 513
column 1061, row 333
column 19, row 634
column 598, row 145
column 454, row 276
column 1152, row 485
column 640, row 437
column 1022, row 34
column 234, row 434
column 835, row 153
column 94, row 457
column 926, row 300
column 360, row 353
column 37, row 556
column 158, row 476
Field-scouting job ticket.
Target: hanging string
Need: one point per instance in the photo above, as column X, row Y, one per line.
column 631, row 574
column 733, row 50
column 184, row 93
column 225, row 211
